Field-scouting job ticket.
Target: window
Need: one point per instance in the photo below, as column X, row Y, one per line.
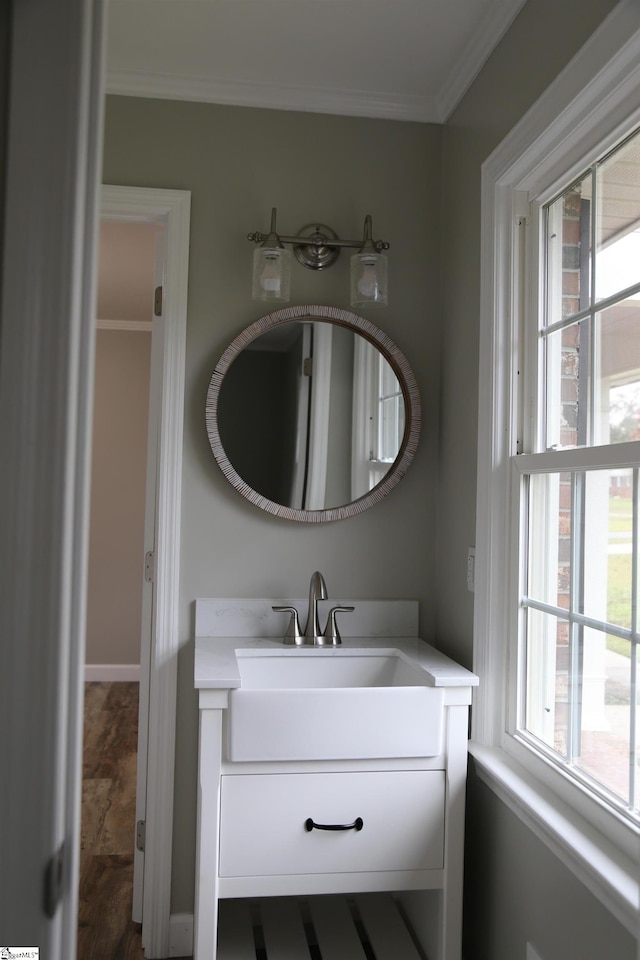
column 557, row 578
column 579, row 629
column 388, row 412
column 379, row 403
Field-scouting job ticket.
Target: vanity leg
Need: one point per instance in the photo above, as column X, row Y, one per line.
column 208, row 818
column 436, row 915
column 456, row 734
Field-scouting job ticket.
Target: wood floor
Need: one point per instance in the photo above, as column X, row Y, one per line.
column 105, row 928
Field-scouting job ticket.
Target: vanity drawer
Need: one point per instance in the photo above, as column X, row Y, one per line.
column 263, row 821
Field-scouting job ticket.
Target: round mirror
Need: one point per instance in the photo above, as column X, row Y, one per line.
column 313, row 413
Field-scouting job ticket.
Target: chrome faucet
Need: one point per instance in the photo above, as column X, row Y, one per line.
column 317, row 591
column 312, row 634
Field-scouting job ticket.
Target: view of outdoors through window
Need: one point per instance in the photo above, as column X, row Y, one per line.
column 390, row 413
column 580, row 675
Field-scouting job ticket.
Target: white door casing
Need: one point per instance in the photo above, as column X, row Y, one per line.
column 302, row 420
column 159, row 647
column 319, row 417
column 148, row 622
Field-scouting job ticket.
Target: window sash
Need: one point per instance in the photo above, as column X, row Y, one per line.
column 536, row 673
column 542, row 269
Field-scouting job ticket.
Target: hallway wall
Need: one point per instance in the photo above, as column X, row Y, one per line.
column 119, row 465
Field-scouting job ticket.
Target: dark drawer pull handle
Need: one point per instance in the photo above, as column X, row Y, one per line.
column 357, row 824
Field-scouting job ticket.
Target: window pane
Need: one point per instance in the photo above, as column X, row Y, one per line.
column 618, row 373
column 618, row 265
column 391, row 427
column 568, row 243
column 388, row 381
column 547, row 682
column 608, row 531
column 605, row 734
column 567, row 386
column 550, row 516
column 617, row 220
column 573, row 419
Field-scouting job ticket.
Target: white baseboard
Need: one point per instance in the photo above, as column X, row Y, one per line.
column 181, row 935
column 111, row 672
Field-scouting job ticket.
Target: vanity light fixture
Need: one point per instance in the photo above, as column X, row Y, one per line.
column 317, row 246
column 271, row 266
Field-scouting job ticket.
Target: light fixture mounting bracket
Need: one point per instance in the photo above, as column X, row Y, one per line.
column 317, row 252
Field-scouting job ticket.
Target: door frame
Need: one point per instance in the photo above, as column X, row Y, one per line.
column 318, row 442
column 171, row 208
column 52, row 137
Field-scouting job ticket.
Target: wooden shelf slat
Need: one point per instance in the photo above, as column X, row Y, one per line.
column 283, row 928
column 336, row 932
column 385, row 928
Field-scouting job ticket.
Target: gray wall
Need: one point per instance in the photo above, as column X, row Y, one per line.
column 516, row 890
column 5, row 41
column 253, row 401
column 238, row 163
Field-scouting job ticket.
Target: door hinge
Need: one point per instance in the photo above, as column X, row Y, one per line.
column 141, row 829
column 307, row 366
column 150, row 566
column 157, row 302
column 54, row 881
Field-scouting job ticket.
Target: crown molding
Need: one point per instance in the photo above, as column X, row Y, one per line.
column 346, row 102
column 475, row 55
column 352, row 103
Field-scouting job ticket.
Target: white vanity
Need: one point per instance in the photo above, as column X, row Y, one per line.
column 330, row 770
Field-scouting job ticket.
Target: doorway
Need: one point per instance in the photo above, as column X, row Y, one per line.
column 130, row 256
column 165, row 215
column 126, row 273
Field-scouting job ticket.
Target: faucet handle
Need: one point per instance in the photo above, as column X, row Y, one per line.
column 331, row 634
column 293, row 633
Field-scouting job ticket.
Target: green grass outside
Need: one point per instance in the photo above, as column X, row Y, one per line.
column 620, row 514
column 618, row 645
column 619, row 575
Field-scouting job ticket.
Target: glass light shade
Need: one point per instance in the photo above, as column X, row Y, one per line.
column 368, row 279
column 271, row 273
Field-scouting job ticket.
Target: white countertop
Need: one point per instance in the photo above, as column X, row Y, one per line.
column 216, row 664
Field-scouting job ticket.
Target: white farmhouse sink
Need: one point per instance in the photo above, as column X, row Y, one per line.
column 339, row 668
column 333, row 704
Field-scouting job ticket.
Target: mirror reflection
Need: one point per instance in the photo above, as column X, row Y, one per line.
column 311, row 415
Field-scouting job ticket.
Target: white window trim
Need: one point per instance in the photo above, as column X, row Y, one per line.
column 366, row 470
column 594, row 100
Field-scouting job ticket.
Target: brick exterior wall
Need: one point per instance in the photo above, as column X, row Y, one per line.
column 575, row 230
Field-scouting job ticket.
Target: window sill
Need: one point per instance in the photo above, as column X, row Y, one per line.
column 606, row 871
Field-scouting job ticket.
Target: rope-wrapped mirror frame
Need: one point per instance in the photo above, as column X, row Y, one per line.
column 401, row 368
